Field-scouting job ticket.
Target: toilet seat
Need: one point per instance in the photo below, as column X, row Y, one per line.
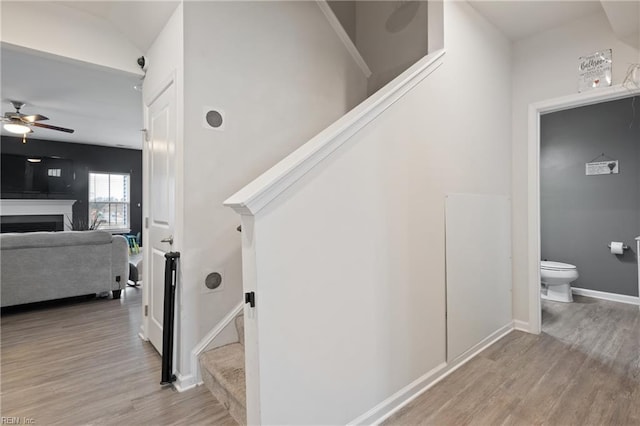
column 556, row 266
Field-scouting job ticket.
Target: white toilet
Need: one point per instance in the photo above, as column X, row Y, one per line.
column 556, row 278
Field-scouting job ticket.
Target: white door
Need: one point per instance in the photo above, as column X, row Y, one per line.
column 160, row 174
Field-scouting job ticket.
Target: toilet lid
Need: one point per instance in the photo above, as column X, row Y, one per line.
column 556, row 266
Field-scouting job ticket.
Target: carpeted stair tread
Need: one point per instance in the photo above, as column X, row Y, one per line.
column 223, row 373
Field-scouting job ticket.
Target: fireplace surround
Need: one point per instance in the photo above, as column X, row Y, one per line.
column 25, row 215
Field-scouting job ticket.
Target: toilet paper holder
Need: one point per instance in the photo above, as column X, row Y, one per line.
column 624, row 246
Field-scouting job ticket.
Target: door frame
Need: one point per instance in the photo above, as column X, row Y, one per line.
column 533, row 222
column 144, row 325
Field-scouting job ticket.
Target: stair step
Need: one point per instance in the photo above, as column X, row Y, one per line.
column 223, row 374
column 240, row 328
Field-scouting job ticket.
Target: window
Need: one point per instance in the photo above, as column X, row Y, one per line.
column 109, row 201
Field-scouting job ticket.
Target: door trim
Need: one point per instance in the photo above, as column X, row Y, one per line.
column 533, row 168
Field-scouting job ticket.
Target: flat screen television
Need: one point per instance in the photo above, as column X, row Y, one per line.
column 35, row 177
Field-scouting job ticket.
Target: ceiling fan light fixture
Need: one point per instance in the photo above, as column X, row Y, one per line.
column 17, row 128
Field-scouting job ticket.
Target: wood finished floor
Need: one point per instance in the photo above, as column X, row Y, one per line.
column 584, row 369
column 83, row 363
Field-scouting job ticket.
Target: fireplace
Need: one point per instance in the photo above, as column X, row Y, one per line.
column 29, row 215
column 31, row 223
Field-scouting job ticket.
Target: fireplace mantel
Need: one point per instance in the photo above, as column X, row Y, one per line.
column 28, row 207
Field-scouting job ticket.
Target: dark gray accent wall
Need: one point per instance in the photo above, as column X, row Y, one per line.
column 87, row 158
column 581, row 214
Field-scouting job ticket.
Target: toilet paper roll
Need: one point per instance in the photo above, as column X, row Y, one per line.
column 617, row 247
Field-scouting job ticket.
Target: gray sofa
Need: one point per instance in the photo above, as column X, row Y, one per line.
column 40, row 266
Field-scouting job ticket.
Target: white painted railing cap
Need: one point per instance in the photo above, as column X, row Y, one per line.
column 267, row 187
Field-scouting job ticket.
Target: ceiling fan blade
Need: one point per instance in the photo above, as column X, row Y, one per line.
column 48, row 126
column 34, row 117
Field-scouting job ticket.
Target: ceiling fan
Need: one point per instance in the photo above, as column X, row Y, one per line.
column 16, row 122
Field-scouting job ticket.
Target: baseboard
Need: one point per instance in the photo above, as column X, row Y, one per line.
column 184, row 383
column 401, row 398
column 206, row 341
column 521, row 326
column 482, row 345
column 404, row 396
column 613, row 297
column 142, row 333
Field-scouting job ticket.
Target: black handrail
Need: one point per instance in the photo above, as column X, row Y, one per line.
column 170, row 281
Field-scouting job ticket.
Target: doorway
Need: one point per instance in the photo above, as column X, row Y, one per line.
column 534, row 220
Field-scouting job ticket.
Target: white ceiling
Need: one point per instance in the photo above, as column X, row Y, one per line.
column 99, row 103
column 139, row 21
column 519, row 19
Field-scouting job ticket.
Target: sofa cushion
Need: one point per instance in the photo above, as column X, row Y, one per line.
column 53, row 239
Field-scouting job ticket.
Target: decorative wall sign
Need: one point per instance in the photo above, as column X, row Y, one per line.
column 602, row 168
column 594, row 70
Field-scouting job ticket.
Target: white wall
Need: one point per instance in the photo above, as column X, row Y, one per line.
column 544, row 67
column 478, row 252
column 166, row 58
column 390, row 36
column 67, row 32
column 280, row 74
column 624, row 18
column 349, row 262
column 345, row 11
